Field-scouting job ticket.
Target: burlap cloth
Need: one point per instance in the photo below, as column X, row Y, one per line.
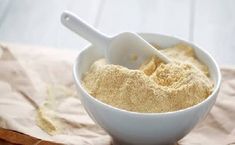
column 33, row 77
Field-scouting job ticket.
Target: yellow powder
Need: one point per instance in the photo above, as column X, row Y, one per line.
column 45, row 123
column 155, row 87
column 47, row 114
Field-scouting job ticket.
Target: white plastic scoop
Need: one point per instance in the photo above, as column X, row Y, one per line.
column 126, row 49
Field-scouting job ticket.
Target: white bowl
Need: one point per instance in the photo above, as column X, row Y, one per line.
column 145, row 128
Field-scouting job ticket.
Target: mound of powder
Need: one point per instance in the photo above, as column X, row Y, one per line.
column 155, row 87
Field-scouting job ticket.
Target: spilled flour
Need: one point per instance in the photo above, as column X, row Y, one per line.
column 48, row 118
column 155, row 86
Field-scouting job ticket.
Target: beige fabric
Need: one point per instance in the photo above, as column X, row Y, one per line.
column 28, row 77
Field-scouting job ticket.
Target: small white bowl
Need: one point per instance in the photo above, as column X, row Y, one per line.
column 145, row 128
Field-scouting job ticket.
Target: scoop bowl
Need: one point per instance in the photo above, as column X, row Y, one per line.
column 134, row 128
column 127, row 49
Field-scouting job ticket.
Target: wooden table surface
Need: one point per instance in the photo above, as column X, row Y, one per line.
column 8, row 137
column 208, row 23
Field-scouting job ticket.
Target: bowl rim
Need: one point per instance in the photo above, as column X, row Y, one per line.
column 215, row 90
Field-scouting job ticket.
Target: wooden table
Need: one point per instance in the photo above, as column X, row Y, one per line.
column 8, row 137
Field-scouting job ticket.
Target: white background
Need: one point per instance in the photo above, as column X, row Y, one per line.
column 208, row 23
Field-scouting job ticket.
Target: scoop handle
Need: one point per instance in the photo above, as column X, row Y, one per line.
column 85, row 30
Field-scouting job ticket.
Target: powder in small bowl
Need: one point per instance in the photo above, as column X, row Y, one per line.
column 155, row 87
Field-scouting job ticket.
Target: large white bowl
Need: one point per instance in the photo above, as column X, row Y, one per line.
column 145, row 128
